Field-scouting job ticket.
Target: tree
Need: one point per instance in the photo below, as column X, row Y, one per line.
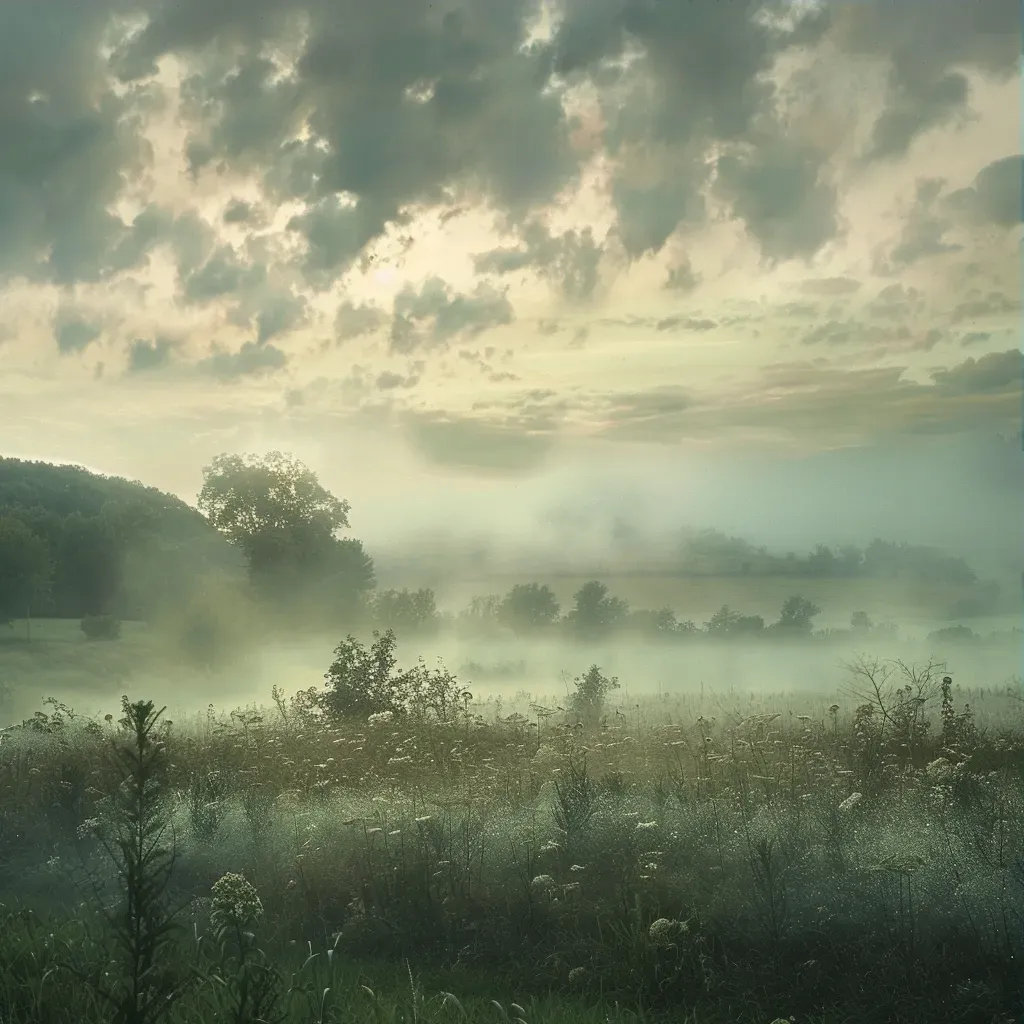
column 24, row 568
column 656, row 622
column 529, row 607
column 406, row 610
column 275, row 509
column 91, row 566
column 483, row 614
column 596, row 613
column 796, row 616
column 723, row 622
column 860, row 622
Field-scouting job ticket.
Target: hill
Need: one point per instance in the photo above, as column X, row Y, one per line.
column 75, row 543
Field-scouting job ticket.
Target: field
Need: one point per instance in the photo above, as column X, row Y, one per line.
column 735, row 854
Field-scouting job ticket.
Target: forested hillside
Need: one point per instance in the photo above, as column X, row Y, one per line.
column 73, row 543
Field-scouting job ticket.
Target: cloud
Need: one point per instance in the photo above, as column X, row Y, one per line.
column 388, row 381
column 352, row 321
column 66, row 142
column 238, row 211
column 145, row 356
column 570, row 260
column 995, row 195
column 924, row 233
column 685, row 323
column 476, row 445
column 434, row 315
column 830, row 286
column 73, row 332
column 995, row 372
column 780, row 193
column 831, row 404
column 979, row 306
column 927, row 47
column 896, row 302
column 681, row 277
column 252, row 359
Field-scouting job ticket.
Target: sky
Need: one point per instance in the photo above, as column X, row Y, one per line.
column 505, row 269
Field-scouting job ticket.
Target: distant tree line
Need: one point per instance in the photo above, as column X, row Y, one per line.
column 77, row 545
column 710, row 553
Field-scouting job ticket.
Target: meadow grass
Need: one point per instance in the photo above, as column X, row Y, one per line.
column 736, row 858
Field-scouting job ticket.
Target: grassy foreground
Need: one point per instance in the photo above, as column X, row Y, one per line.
column 733, row 861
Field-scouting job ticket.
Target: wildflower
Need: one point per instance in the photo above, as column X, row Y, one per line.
column 646, row 825
column 850, row 802
column 577, row 974
column 542, row 883
column 939, row 771
column 578, row 867
column 664, row 931
column 235, row 899
column 88, row 828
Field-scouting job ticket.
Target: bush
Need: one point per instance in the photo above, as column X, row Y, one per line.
column 586, row 703
column 101, row 627
column 362, row 682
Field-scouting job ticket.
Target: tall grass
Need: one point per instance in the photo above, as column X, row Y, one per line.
column 860, row 859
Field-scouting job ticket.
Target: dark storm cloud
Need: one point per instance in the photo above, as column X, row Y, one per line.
column 570, row 260
column 995, row 196
column 65, row 142
column 780, row 195
column 364, row 113
column 928, row 46
column 405, row 103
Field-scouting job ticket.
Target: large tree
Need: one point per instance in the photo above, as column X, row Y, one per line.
column 596, row 613
column 274, row 508
column 528, row 607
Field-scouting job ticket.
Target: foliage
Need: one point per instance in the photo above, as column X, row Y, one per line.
column 796, row 615
column 719, row 861
column 405, row 611
column 101, row 627
column 24, row 568
column 142, row 925
column 529, row 607
column 595, row 612
column 587, row 700
column 273, row 507
column 362, row 683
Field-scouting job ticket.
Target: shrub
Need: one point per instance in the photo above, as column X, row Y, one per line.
column 101, row 627
column 586, row 703
column 362, row 682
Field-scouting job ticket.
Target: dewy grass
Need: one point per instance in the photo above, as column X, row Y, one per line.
column 724, row 860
